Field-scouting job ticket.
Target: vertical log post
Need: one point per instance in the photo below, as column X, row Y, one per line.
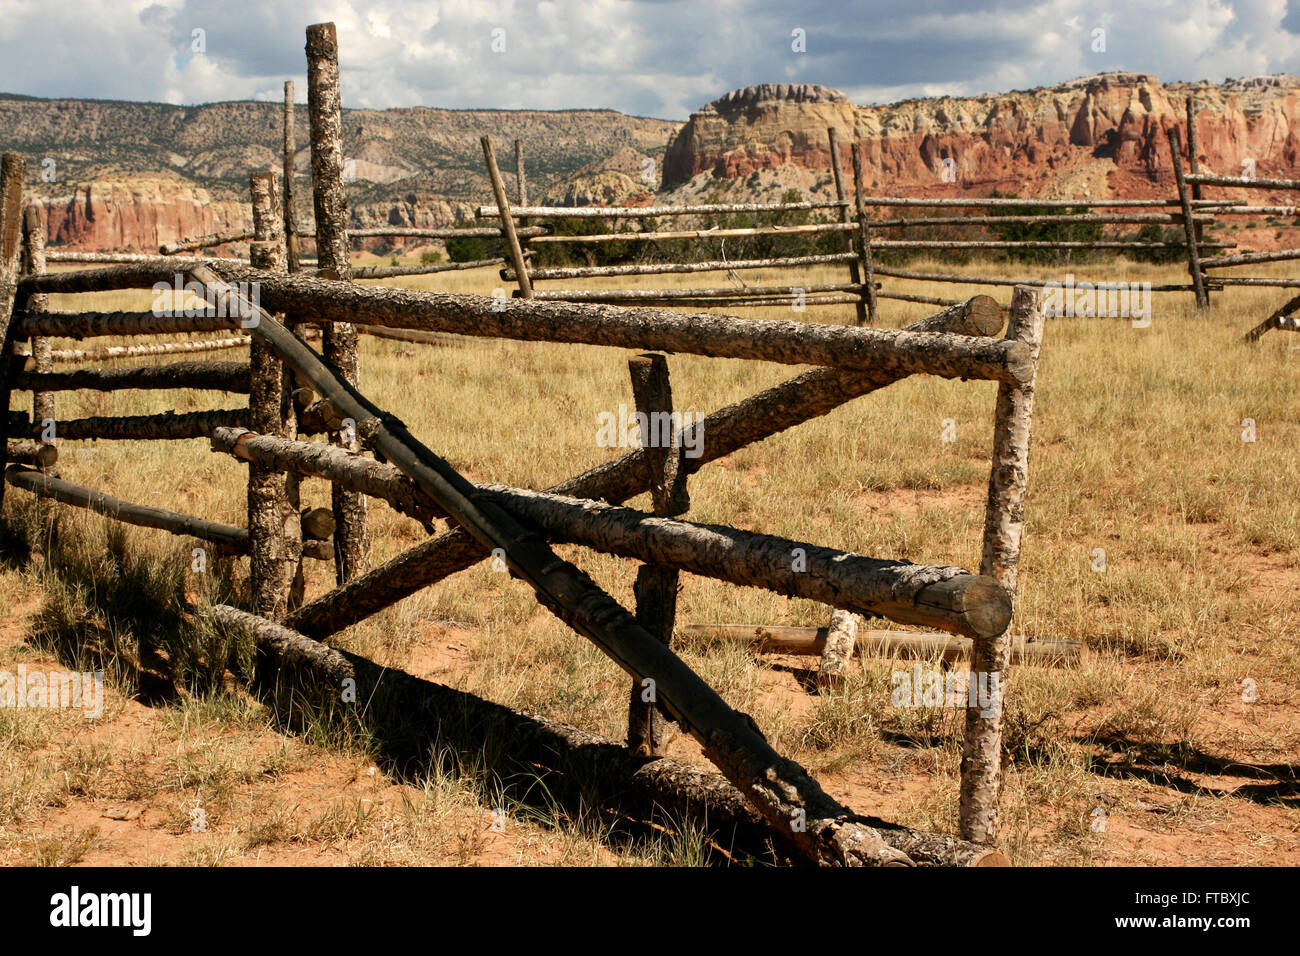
column 1194, row 167
column 290, row 148
column 841, row 636
column 325, row 113
column 274, row 535
column 13, row 170
column 1004, row 516
column 1189, row 227
column 846, row 215
column 656, row 586
column 864, row 233
column 520, row 181
column 515, row 251
column 42, row 348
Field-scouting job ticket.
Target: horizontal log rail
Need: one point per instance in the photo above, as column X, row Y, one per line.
column 729, row 429
column 999, row 281
column 216, row 376
column 167, row 426
column 1209, row 179
column 406, row 335
column 676, row 268
column 779, row 788
column 34, row 454
column 1004, row 203
column 1173, row 219
column 137, row 351
column 204, row 242
column 134, row 258
column 142, row 275
column 642, row 212
column 946, row 598
column 85, row 325
column 446, row 232
column 731, row 302
column 716, row 233
column 717, row 292
column 1251, row 258
column 782, row 341
column 907, row 645
column 388, row 272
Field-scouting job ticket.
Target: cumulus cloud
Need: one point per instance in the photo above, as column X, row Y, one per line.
column 649, row 57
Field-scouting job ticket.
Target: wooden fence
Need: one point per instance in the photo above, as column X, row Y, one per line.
column 294, row 391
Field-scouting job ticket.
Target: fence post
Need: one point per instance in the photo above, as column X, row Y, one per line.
column 274, row 535
column 325, row 114
column 13, row 170
column 42, row 348
column 513, row 248
column 656, row 586
column 1193, row 166
column 981, row 765
column 1189, row 227
column 519, row 172
column 846, row 215
column 290, row 148
column 864, row 233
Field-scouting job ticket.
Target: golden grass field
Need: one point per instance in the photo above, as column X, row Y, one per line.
column 1137, row 450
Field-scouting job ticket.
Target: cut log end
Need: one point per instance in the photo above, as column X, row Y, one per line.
column 981, row 605
column 985, row 315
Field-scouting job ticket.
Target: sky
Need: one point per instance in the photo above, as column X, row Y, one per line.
column 661, row 58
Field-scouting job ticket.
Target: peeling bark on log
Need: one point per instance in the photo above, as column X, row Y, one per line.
column 837, row 649
column 288, row 151
column 782, row 341
column 729, row 429
column 325, row 106
column 111, row 352
column 217, row 376
column 675, row 268
column 32, row 454
column 111, row 279
column 864, row 234
column 141, row 258
column 719, row 292
column 164, row 427
column 644, row 212
column 981, row 767
column 856, row 270
column 204, row 242
column 275, row 538
column 811, row 641
column 1206, row 179
column 42, row 350
column 13, row 170
column 288, row 649
column 1250, row 258
column 85, row 325
column 791, row 802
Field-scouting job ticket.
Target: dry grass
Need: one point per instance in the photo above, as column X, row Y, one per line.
column 1137, row 451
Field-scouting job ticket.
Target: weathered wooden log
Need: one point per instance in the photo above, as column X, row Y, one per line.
column 274, row 534
column 42, row 349
column 1209, row 179
column 145, row 516
column 164, row 427
column 513, row 249
column 811, row 641
column 981, row 766
column 864, row 238
column 656, row 586
column 1193, row 163
column 204, row 242
column 289, row 152
column 821, row 829
column 645, row 212
column 13, row 171
column 719, row 292
column 998, row 280
column 447, row 232
column 85, row 325
column 1134, row 218
column 673, row 268
column 1189, row 229
column 1035, row 244
column 138, row 258
column 521, row 181
column 923, row 299
column 1250, row 258
column 783, row 341
column 837, row 649
column 1257, row 211
column 109, row 279
column 325, row 108
column 217, row 376
column 387, row 272
column 405, row 335
column 110, row 352
column 1273, row 321
column 731, row 302
column 729, row 429
column 715, row 233
column 1261, row 281
column 995, row 203
column 320, row 418
column 32, row 454
column 288, row 649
